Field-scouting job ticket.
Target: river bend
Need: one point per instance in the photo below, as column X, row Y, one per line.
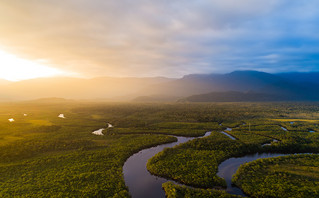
column 140, row 182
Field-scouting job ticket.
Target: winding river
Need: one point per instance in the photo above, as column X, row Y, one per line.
column 139, row 181
column 229, row 167
column 143, row 184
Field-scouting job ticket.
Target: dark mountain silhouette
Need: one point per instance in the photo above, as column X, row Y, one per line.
column 204, row 83
column 233, row 96
column 299, row 77
column 243, row 85
column 271, row 86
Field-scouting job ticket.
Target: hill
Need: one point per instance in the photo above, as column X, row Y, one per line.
column 77, row 88
column 204, row 83
column 243, row 85
column 233, row 96
column 272, row 86
column 300, row 77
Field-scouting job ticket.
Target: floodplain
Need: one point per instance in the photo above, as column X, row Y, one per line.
column 45, row 154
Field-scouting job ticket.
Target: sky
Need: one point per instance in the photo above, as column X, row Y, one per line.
column 91, row 38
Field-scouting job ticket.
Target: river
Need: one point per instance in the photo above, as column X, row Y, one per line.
column 137, row 178
column 143, row 184
column 229, row 167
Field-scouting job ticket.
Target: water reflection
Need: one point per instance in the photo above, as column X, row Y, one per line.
column 139, row 181
column 229, row 167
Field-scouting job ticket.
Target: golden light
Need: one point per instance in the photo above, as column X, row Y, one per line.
column 14, row 68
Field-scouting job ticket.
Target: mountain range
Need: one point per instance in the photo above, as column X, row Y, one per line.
column 234, row 86
column 242, row 86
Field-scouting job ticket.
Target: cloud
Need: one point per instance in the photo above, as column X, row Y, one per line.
column 170, row 38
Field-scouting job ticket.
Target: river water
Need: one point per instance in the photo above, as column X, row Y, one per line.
column 139, row 181
column 229, row 167
column 143, row 184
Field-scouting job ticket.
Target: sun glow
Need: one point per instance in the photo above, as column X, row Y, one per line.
column 14, row 68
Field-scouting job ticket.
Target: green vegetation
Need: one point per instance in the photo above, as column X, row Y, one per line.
column 43, row 155
column 196, row 162
column 63, row 158
column 96, row 172
column 173, row 128
column 177, row 191
column 287, row 176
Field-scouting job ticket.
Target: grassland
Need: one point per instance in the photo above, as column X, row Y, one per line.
column 43, row 155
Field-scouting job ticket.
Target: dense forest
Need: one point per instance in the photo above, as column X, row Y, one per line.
column 42, row 154
column 178, row 191
column 287, row 176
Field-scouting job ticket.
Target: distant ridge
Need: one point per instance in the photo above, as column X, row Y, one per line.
column 301, row 77
column 77, row 88
column 234, row 86
column 243, row 85
column 233, row 96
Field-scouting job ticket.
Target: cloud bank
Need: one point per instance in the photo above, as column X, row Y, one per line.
column 168, row 38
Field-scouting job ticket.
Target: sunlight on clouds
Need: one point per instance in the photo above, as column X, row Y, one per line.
column 14, row 68
column 163, row 38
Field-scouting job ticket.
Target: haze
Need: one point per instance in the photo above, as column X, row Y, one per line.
column 130, row 98
column 157, row 38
